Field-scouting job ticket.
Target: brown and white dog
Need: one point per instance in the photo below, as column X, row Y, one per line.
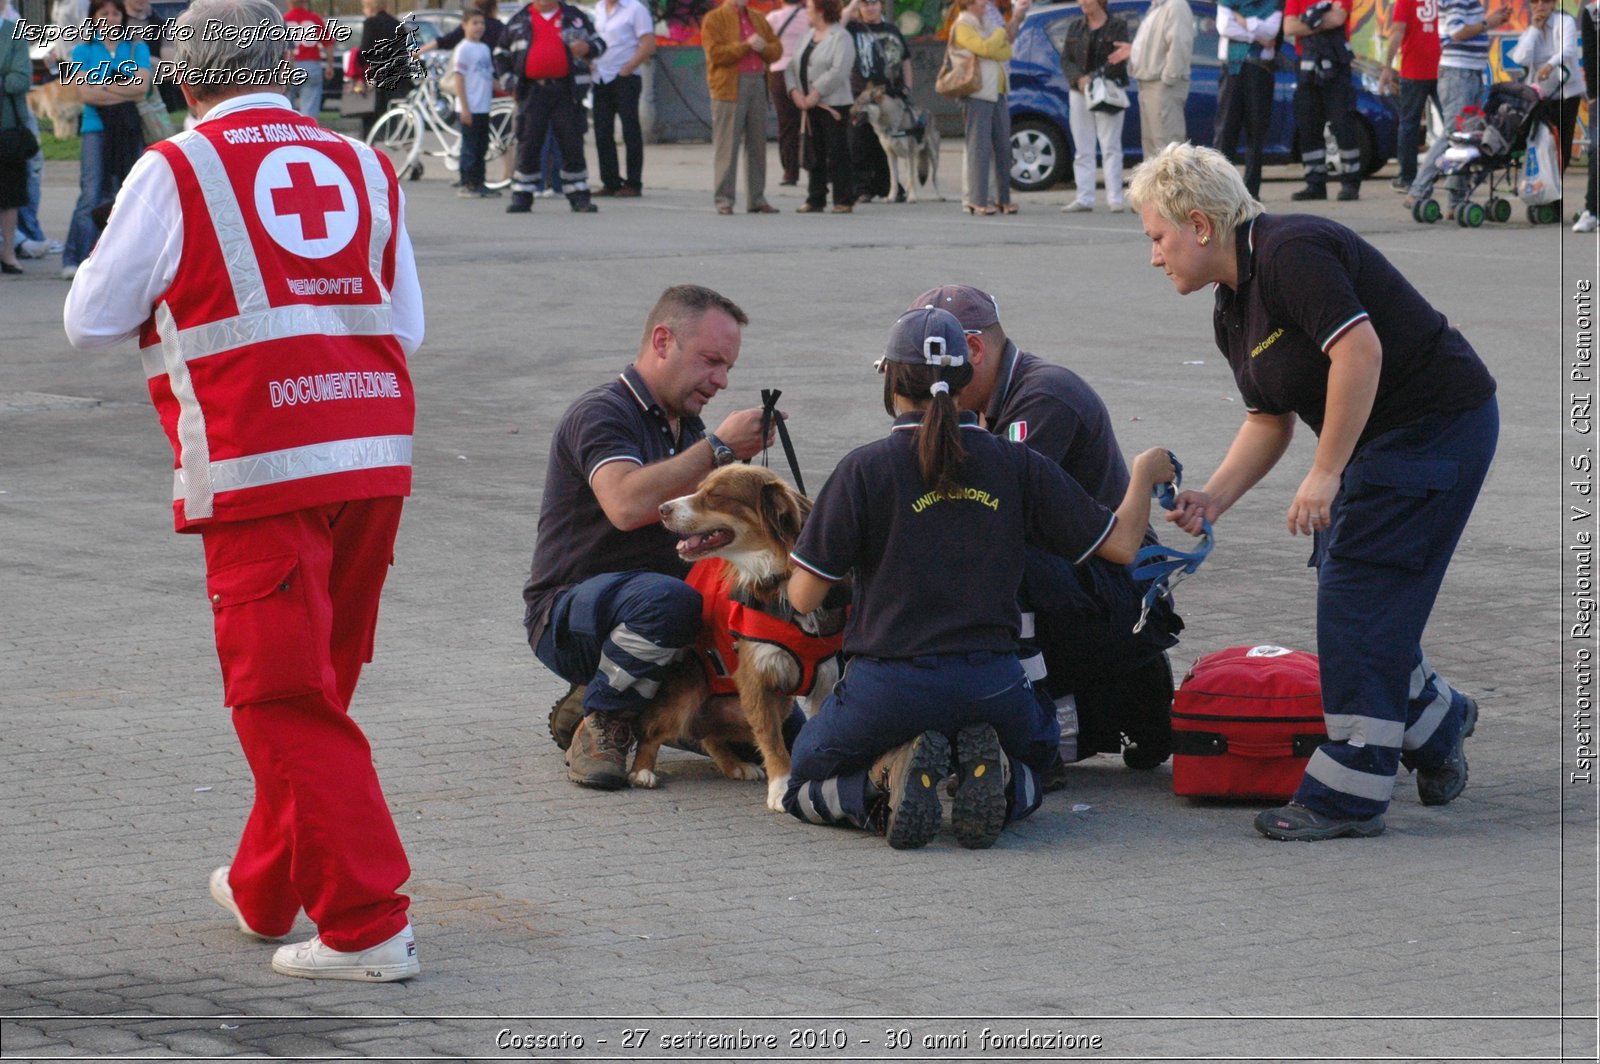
column 59, row 104
column 748, row 517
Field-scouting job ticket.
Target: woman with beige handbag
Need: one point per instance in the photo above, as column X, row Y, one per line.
column 958, row 74
column 981, row 31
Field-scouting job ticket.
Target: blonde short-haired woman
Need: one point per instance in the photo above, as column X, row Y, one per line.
column 1318, row 326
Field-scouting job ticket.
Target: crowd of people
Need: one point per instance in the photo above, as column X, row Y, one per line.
column 297, row 504
column 811, row 60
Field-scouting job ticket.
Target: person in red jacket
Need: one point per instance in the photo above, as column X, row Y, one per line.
column 1414, row 33
column 313, row 56
column 262, row 263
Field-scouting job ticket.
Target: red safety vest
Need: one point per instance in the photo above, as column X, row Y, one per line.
column 723, row 621
column 272, row 359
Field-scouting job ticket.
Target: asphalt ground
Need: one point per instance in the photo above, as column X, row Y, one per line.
column 1119, row 923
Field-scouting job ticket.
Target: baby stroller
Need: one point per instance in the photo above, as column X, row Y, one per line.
column 1487, row 147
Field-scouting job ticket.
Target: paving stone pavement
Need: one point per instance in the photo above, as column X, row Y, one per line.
column 1166, row 928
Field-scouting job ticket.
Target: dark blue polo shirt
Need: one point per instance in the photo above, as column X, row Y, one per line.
column 1054, row 411
column 616, row 422
column 937, row 574
column 1304, row 282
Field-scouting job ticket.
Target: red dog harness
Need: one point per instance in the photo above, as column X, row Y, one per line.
column 723, row 621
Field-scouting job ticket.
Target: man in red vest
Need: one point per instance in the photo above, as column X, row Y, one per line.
column 547, row 48
column 263, row 265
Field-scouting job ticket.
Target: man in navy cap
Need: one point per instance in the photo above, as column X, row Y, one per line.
column 1085, row 656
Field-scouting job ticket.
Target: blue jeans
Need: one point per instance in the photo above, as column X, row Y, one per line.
column 1458, row 90
column 28, row 214
column 95, row 186
column 1414, row 96
column 474, row 149
column 307, row 98
column 880, row 704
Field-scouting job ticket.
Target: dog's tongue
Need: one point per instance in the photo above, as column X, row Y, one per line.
column 690, row 544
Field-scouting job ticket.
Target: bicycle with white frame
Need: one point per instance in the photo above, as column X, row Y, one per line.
column 426, row 124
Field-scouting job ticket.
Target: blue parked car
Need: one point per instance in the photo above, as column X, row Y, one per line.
column 1041, row 138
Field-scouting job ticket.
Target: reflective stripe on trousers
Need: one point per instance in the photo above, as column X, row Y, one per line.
column 1404, row 502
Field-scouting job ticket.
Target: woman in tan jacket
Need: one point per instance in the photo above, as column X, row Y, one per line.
column 739, row 44
column 980, row 30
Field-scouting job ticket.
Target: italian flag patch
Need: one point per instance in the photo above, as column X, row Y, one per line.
column 1017, row 431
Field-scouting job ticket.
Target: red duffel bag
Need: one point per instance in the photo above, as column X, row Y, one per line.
column 1244, row 723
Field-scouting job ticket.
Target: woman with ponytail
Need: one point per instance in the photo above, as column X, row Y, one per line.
column 932, row 522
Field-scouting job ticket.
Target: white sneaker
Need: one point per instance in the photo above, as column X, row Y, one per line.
column 1077, row 207
column 32, row 249
column 54, row 247
column 1119, row 208
column 68, row 272
column 1586, row 223
column 222, row 891
column 387, row 962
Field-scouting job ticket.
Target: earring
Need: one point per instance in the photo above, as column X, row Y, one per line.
column 1205, row 240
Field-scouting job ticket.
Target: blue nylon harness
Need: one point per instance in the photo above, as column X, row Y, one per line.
column 1166, row 567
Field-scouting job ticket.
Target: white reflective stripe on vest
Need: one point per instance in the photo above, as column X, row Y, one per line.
column 272, row 323
column 244, row 271
column 382, row 223
column 297, row 463
column 193, row 446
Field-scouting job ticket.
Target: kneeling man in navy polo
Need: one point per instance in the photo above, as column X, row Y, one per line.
column 607, row 609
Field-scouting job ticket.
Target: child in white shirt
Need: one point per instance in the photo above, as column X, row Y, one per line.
column 474, row 74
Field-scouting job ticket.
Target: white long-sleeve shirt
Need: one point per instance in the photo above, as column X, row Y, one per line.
column 1233, row 26
column 1556, row 44
column 137, row 256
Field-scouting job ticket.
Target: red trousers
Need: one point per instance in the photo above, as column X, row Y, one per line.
column 295, row 599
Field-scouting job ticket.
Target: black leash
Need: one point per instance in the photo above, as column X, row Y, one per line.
column 769, row 417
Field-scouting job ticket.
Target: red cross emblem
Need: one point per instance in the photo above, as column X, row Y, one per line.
column 307, row 199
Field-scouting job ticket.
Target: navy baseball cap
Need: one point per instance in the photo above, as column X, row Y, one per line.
column 975, row 309
column 926, row 336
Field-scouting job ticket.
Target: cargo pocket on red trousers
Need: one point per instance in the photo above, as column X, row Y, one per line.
column 1391, row 510
column 264, row 636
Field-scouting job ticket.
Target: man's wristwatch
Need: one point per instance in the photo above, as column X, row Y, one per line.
column 721, row 453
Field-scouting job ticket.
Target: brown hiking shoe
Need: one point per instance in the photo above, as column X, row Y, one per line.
column 566, row 714
column 907, row 779
column 598, row 756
